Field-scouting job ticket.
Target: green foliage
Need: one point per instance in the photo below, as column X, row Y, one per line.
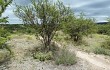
column 2, row 42
column 3, row 5
column 106, row 44
column 65, row 58
column 16, row 28
column 4, row 33
column 3, row 39
column 101, row 50
column 48, row 19
column 78, row 27
column 28, row 29
column 103, row 29
column 43, row 56
column 98, row 44
column 4, row 20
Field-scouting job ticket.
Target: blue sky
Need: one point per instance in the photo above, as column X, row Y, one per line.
column 98, row 9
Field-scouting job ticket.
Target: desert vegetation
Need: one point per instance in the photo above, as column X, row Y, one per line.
column 51, row 32
column 5, row 51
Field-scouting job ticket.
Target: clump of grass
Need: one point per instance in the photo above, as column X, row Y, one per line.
column 3, row 44
column 43, row 56
column 65, row 58
column 29, row 38
column 106, row 44
column 4, row 55
column 101, row 50
column 2, row 41
column 60, row 56
column 104, row 49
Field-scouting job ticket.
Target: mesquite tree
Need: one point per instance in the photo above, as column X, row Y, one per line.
column 3, row 6
column 78, row 27
column 44, row 15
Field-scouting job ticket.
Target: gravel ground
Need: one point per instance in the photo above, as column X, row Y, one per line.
column 23, row 60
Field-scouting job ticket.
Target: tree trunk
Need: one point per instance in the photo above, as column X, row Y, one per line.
column 47, row 43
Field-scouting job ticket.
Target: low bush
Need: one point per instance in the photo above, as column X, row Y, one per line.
column 79, row 27
column 4, row 55
column 4, row 33
column 101, row 50
column 103, row 29
column 60, row 56
column 3, row 45
column 2, row 42
column 106, row 44
column 104, row 49
column 65, row 58
column 43, row 56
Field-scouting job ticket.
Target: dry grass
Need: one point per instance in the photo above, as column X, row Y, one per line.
column 4, row 55
column 64, row 57
column 94, row 43
column 91, row 43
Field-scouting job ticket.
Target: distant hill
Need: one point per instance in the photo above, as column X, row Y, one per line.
column 102, row 22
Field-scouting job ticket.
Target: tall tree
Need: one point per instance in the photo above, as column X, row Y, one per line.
column 46, row 16
column 3, row 6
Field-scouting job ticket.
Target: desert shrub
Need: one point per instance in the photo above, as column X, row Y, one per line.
column 47, row 22
column 76, row 28
column 29, row 30
column 65, row 58
column 103, row 29
column 4, row 55
column 43, row 56
column 106, row 44
column 100, row 50
column 3, row 39
column 4, row 32
column 2, row 42
column 26, row 29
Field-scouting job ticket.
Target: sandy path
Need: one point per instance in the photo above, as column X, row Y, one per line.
column 97, row 60
column 94, row 60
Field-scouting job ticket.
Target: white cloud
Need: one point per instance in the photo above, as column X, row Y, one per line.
column 98, row 9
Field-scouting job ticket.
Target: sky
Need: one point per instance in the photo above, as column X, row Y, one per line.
column 98, row 9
